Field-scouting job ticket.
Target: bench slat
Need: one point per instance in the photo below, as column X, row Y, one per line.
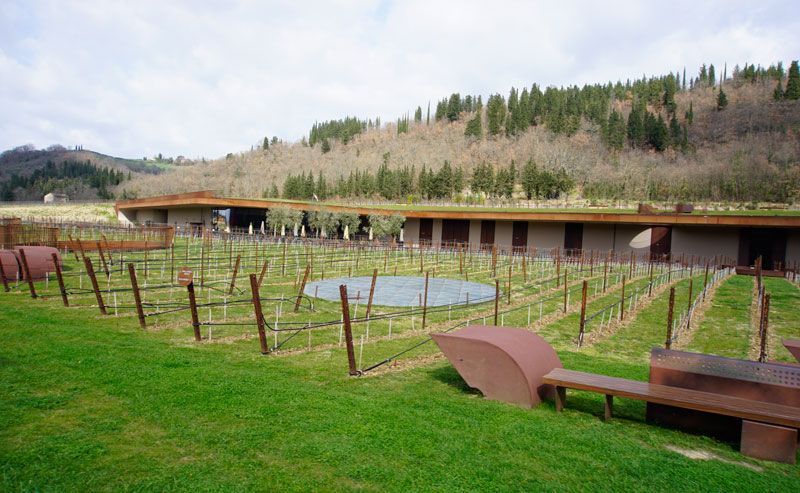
column 678, row 397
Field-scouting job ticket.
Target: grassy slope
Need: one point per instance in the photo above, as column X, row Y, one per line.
column 783, row 316
column 99, row 211
column 725, row 329
column 89, row 403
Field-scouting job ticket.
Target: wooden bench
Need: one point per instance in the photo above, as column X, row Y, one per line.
column 761, row 420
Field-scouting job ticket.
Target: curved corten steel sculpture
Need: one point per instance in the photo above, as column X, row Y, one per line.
column 504, row 363
column 10, row 265
column 40, row 260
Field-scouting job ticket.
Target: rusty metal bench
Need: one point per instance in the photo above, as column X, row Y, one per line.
column 760, row 420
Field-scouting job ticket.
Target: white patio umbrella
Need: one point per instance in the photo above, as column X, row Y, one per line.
column 370, row 233
column 401, row 234
column 262, row 228
column 322, row 233
column 283, row 230
column 303, row 231
column 250, row 229
column 295, row 229
column 346, row 235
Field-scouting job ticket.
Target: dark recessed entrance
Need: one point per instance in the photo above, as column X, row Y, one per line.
column 769, row 244
column 573, row 238
column 519, row 235
column 425, row 230
column 487, row 234
column 455, row 231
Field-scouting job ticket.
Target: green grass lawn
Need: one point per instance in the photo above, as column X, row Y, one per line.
column 95, row 403
column 725, row 329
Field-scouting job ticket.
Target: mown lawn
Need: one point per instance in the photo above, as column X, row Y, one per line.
column 90, row 403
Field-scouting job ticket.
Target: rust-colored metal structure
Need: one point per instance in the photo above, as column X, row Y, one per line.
column 506, row 364
column 774, row 383
column 793, row 346
column 39, row 258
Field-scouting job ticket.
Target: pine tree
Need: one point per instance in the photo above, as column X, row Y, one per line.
column 777, row 94
column 454, row 107
column 326, row 146
column 495, row 114
column 474, row 127
column 712, row 77
column 722, row 100
column 265, row 144
column 614, row 131
column 428, row 116
column 418, row 115
column 675, row 131
column 793, row 84
column 690, row 114
column 636, row 130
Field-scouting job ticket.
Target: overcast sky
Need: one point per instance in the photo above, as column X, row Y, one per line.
column 204, row 78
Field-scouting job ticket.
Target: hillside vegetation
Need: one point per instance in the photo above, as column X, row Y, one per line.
column 662, row 138
column 27, row 173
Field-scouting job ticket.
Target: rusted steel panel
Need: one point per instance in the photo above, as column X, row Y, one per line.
column 793, row 346
column 11, row 267
column 40, row 260
column 767, row 382
column 504, row 363
column 769, row 442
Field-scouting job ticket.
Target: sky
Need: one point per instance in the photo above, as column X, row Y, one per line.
column 204, row 78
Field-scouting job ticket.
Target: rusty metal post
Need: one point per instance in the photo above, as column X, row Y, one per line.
column 3, row 277
column 605, row 274
column 302, row 288
column 650, row 286
column 348, row 331
column 27, row 272
column 372, row 293
column 566, row 289
column 235, row 273
column 59, row 277
column 425, row 302
column 762, row 355
column 496, row 299
column 583, row 313
column 508, row 302
column 172, row 262
column 137, row 297
column 670, row 313
column 263, row 272
column 705, row 282
column 262, row 335
column 622, row 300
column 689, row 303
column 90, row 270
column 103, row 259
column 494, row 261
column 193, row 310
column 558, row 268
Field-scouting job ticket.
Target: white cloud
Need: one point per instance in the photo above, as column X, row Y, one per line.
column 192, row 78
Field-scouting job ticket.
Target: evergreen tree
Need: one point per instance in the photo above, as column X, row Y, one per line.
column 326, row 146
column 690, row 114
column 777, row 94
column 793, row 83
column 636, row 130
column 474, row 127
column 614, row 131
column 428, row 115
column 265, row 144
column 418, row 115
column 675, row 131
column 712, row 77
column 495, row 114
column 722, row 100
column 453, row 107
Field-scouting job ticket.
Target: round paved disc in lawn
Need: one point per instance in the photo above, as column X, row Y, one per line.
column 403, row 290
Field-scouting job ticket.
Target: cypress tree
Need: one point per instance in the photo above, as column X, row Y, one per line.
column 793, row 84
column 474, row 127
column 712, row 77
column 777, row 94
column 418, row 115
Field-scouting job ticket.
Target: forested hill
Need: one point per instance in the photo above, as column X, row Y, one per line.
column 27, row 173
column 724, row 133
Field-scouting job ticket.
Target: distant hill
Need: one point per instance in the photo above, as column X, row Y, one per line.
column 665, row 138
column 27, row 173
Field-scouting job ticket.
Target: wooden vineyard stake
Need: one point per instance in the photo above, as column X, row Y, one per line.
column 372, row 292
column 262, row 335
column 283, row 264
column 3, row 277
column 582, row 327
column 705, row 282
column 59, row 277
column 689, row 303
column 605, row 273
column 566, row 289
column 302, row 288
column 235, row 273
column 348, row 330
column 670, row 313
column 27, row 272
column 425, row 302
column 650, row 286
column 90, row 270
column 622, row 300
